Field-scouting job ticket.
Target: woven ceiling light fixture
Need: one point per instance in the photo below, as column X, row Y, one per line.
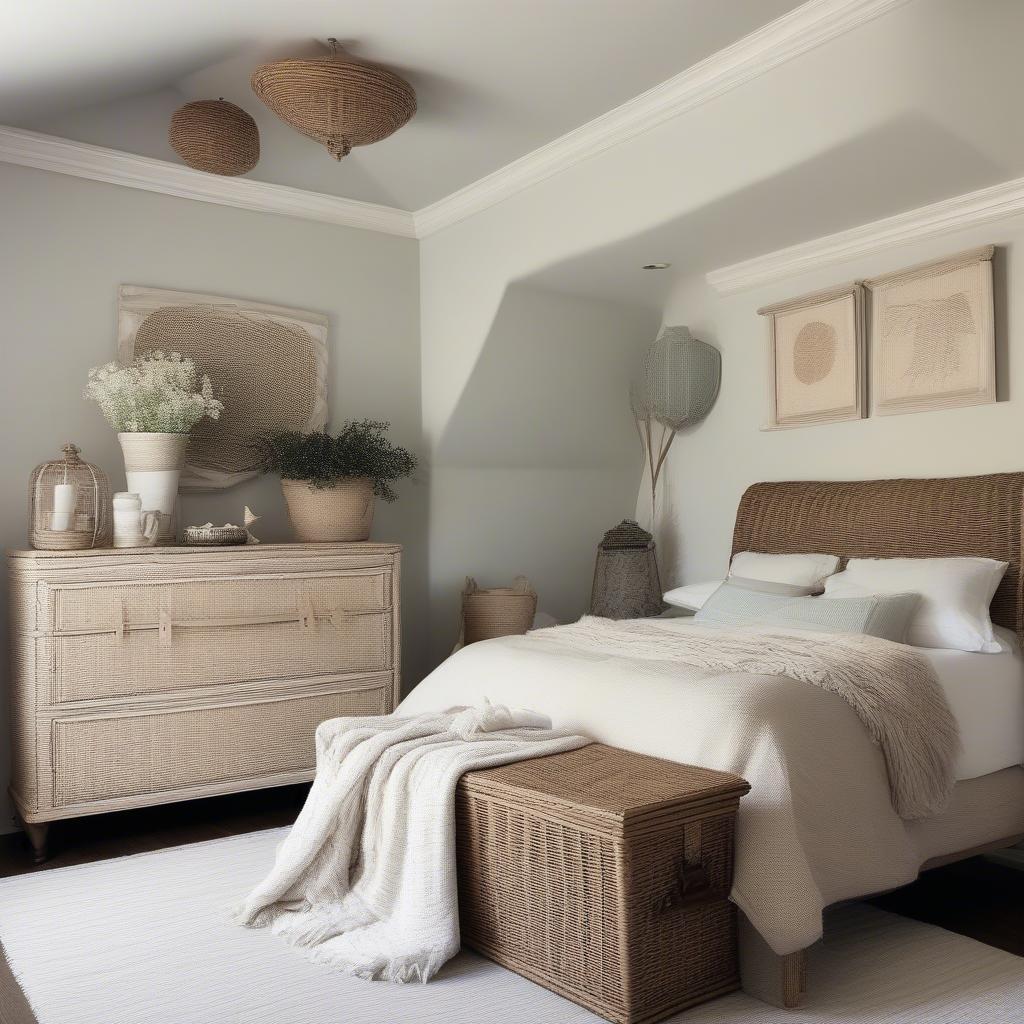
column 335, row 100
column 215, row 136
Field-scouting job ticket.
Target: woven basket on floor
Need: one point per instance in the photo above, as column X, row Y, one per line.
column 337, row 101
column 501, row 611
column 215, row 136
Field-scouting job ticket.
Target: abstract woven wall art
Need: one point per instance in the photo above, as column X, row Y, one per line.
column 268, row 365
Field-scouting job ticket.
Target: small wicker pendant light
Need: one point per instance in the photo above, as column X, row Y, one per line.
column 215, row 136
column 335, row 100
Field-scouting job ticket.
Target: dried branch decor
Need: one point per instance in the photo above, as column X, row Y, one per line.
column 677, row 386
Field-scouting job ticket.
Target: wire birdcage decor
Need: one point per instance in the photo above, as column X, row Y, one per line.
column 677, row 386
column 336, row 100
column 69, row 505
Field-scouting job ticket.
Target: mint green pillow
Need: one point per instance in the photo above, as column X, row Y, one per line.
column 882, row 615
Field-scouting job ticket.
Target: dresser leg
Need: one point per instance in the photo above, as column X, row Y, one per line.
column 37, row 835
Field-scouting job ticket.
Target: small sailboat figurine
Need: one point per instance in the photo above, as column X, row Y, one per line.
column 250, row 519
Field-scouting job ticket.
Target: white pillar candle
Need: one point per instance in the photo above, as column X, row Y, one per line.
column 64, row 497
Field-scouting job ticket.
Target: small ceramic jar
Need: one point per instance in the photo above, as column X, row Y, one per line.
column 133, row 528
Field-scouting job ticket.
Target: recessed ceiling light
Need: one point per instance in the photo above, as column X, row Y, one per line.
column 656, row 266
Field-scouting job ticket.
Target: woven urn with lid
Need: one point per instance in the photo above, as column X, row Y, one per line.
column 626, row 581
column 69, row 504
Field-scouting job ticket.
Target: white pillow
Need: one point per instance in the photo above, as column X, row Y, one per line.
column 807, row 570
column 955, row 595
column 691, row 596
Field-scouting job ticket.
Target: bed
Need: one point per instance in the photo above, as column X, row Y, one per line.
column 819, row 826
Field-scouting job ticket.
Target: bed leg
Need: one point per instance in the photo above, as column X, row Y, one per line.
column 765, row 975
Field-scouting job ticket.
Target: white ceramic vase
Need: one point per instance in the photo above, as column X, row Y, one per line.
column 152, row 466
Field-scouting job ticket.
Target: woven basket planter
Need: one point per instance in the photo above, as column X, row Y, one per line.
column 343, row 512
column 336, row 101
column 501, row 611
column 215, row 136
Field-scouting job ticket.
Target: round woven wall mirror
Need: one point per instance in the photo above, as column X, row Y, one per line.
column 335, row 100
column 215, row 136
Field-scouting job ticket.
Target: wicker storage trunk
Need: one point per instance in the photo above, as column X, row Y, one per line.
column 603, row 875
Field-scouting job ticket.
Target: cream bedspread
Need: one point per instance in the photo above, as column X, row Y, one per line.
column 819, row 824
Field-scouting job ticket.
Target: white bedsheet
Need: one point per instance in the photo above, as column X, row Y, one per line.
column 818, row 826
column 986, row 695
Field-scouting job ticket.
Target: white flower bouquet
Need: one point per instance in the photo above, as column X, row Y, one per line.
column 156, row 393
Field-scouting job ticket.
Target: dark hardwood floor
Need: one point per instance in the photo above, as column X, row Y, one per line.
column 102, row 836
column 976, row 897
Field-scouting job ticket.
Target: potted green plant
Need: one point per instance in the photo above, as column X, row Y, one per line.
column 330, row 481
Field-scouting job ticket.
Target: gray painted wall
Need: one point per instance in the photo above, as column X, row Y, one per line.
column 67, row 244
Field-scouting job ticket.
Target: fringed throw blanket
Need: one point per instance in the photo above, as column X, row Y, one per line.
column 366, row 879
column 893, row 689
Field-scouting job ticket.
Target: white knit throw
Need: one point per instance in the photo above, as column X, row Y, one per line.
column 891, row 687
column 366, row 879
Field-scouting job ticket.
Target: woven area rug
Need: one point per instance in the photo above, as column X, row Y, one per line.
column 146, row 940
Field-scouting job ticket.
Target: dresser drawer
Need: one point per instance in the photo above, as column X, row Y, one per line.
column 130, row 755
column 119, row 640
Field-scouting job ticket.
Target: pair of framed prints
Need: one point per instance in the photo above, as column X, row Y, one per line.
column 931, row 337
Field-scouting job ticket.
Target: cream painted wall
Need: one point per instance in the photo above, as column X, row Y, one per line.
column 868, row 125
column 710, row 466
column 65, row 246
column 905, row 110
column 539, row 456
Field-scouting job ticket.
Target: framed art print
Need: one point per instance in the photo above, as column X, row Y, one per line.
column 933, row 335
column 816, row 358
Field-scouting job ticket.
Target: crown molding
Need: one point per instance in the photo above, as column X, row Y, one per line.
column 802, row 29
column 994, row 203
column 31, row 149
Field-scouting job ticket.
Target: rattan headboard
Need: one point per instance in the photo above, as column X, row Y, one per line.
column 970, row 515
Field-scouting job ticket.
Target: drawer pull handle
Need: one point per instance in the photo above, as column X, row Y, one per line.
column 338, row 615
column 121, row 622
column 308, row 618
column 307, row 613
column 165, row 628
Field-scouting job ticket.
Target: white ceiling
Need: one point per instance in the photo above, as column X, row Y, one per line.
column 495, row 78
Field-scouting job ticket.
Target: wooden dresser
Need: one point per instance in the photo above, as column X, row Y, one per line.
column 145, row 676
